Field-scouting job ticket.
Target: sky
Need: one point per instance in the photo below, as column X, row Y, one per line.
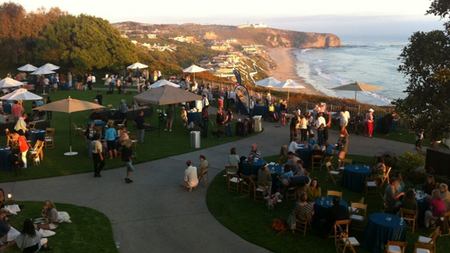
column 344, row 17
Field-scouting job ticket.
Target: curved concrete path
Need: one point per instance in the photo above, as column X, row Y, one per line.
column 154, row 214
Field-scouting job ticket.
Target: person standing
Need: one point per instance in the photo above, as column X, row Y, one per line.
column 320, row 126
column 21, row 124
column 344, row 117
column 140, row 126
column 170, row 116
column 89, row 81
column 123, row 110
column 89, row 136
column 69, row 80
column 17, row 110
column 205, row 120
column 119, row 85
column 23, row 146
column 327, row 117
column 419, row 138
column 127, row 155
column 228, row 120
column 97, row 154
column 110, row 139
column 48, row 100
column 368, row 123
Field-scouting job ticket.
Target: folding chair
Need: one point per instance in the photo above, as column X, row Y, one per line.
column 246, row 185
column 204, row 173
column 371, row 185
column 396, row 247
column 386, row 177
column 430, row 240
column 316, row 162
column 260, row 191
column 346, row 242
column 410, row 217
column 331, row 173
column 49, row 137
column 331, row 193
column 303, row 222
column 358, row 215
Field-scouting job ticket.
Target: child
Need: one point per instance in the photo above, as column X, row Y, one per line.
column 311, row 141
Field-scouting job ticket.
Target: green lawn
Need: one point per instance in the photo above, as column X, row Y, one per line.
column 158, row 144
column 251, row 220
column 90, row 230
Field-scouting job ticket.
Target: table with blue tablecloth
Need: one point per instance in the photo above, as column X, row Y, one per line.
column 354, row 176
column 36, row 135
column 305, row 154
column 276, row 171
column 322, row 206
column 5, row 159
column 263, row 110
column 251, row 169
column 194, row 116
column 423, row 204
column 381, row 228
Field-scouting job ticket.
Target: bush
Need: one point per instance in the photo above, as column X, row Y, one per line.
column 410, row 163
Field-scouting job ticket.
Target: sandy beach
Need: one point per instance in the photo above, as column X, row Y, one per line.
column 285, row 69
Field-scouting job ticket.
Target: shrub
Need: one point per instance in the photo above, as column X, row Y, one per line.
column 410, row 163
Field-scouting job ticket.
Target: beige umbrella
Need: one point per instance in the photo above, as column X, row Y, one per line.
column 268, row 82
column 21, row 94
column 27, row 68
column 166, row 95
column 161, row 83
column 9, row 83
column 193, row 69
column 356, row 86
column 69, row 105
column 289, row 84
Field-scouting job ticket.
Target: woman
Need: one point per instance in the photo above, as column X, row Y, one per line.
column 343, row 118
column 264, row 176
column 437, row 207
column 119, row 85
column 429, row 185
column 23, row 146
column 273, row 112
column 293, row 126
column 368, row 123
column 305, row 207
column 122, row 139
column 283, row 109
column 409, row 202
column 233, row 158
column 3, row 199
column 401, row 183
column 303, row 128
column 29, row 239
column 127, row 155
column 342, row 146
column 220, row 117
column 313, row 190
column 110, row 139
column 379, row 169
column 184, row 118
column 228, row 120
column 51, row 214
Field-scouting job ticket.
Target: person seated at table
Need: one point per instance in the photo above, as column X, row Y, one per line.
column 29, row 239
column 305, row 207
column 254, row 154
column 379, row 169
column 292, row 161
column 401, row 184
column 316, row 150
column 294, row 145
column 272, row 113
column 299, row 182
column 328, row 149
column 445, row 196
column 300, row 170
column 409, row 201
column 313, row 190
column 49, row 212
column 233, row 158
column 335, row 213
column 437, row 207
column 392, row 196
column 264, row 176
column 110, row 139
column 287, row 172
column 311, row 141
column 429, row 185
column 190, row 176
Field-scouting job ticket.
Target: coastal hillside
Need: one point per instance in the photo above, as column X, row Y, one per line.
column 268, row 37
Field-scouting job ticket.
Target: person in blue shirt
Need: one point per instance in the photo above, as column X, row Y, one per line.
column 328, row 149
column 311, row 141
column 110, row 139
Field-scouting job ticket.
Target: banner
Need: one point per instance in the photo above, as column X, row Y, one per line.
column 237, row 74
column 243, row 99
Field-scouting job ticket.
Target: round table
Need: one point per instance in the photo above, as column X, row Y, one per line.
column 380, row 229
column 423, row 204
column 305, row 155
column 36, row 135
column 5, row 159
column 251, row 169
column 322, row 206
column 276, row 171
column 354, row 177
column 194, row 116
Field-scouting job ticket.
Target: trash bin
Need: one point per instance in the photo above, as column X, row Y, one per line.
column 195, row 139
column 257, row 119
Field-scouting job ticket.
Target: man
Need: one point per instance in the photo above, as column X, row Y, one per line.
column 295, row 181
column 327, row 117
column 320, row 126
column 292, row 161
column 21, row 124
column 99, row 98
column 89, row 136
column 392, row 196
column 123, row 110
column 300, row 171
column 328, row 149
column 170, row 116
column 97, row 154
column 140, row 126
column 445, row 196
column 254, row 153
column 190, row 177
column 17, row 110
column 205, row 101
column 294, row 145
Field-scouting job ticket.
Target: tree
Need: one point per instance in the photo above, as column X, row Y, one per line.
column 12, row 19
column 426, row 63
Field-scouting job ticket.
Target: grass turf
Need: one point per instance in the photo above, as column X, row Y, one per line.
column 251, row 220
column 90, row 230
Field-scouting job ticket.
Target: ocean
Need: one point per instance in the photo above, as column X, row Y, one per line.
column 367, row 60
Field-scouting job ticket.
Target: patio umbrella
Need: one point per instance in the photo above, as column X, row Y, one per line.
column 43, row 71
column 21, row 94
column 137, row 65
column 193, row 69
column 161, row 83
column 49, row 66
column 289, row 84
column 267, row 82
column 356, row 86
column 9, row 83
column 69, row 106
column 27, row 68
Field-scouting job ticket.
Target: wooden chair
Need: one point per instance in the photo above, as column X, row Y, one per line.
column 302, row 224
column 386, row 207
column 386, row 177
column 79, row 129
column 260, row 191
column 316, row 162
column 445, row 220
column 346, row 242
column 230, row 170
column 37, row 150
column 49, row 137
column 246, row 185
column 358, row 215
column 371, row 185
column 339, row 225
column 410, row 217
column 396, row 247
column 430, row 240
column 346, row 161
column 424, row 248
column 331, row 193
column 291, row 194
column 134, row 141
column 204, row 173
column 332, row 173
column 10, row 142
column 32, row 125
column 233, row 181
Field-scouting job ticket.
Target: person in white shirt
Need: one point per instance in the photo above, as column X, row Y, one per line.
column 190, row 177
column 320, row 126
column 294, row 145
column 21, row 124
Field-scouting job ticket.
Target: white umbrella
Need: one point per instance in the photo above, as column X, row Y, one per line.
column 161, row 83
column 43, row 71
column 27, row 68
column 137, row 65
column 9, row 83
column 50, row 66
column 357, row 87
column 193, row 69
column 21, row 94
column 267, row 82
column 289, row 84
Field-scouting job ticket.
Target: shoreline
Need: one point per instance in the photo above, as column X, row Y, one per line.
column 285, row 69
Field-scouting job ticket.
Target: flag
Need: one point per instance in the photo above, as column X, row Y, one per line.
column 242, row 95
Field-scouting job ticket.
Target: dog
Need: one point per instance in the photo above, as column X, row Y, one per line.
column 36, row 160
column 279, row 225
column 271, row 201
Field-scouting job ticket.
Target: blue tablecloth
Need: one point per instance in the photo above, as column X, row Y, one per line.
column 423, row 205
column 5, row 159
column 354, row 176
column 194, row 116
column 36, row 135
column 305, row 155
column 276, row 170
column 379, row 231
column 322, row 206
column 251, row 169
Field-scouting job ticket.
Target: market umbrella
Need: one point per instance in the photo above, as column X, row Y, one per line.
column 27, row 68
column 21, row 94
column 137, row 65
column 193, row 69
column 69, row 106
column 43, row 71
column 49, row 66
column 9, row 83
column 267, row 82
column 289, row 84
column 356, row 86
column 161, row 83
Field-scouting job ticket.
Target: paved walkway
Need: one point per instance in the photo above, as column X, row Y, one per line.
column 154, row 214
